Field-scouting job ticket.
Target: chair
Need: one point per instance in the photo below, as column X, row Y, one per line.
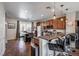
column 56, row 47
column 68, row 43
column 74, row 40
column 30, row 37
column 26, row 37
column 67, row 39
column 52, row 47
column 60, row 42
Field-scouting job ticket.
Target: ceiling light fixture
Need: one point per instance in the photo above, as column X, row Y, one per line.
column 66, row 9
column 61, row 12
column 54, row 16
column 42, row 15
column 66, row 14
column 48, row 7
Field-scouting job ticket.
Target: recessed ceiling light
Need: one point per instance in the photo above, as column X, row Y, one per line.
column 61, row 5
column 42, row 15
column 66, row 9
column 48, row 7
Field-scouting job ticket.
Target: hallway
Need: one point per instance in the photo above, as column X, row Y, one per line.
column 17, row 48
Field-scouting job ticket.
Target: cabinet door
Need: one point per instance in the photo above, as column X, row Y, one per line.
column 47, row 23
column 60, row 24
column 55, row 24
column 64, row 24
column 50, row 22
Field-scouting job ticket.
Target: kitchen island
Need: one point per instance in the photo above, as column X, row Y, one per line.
column 43, row 44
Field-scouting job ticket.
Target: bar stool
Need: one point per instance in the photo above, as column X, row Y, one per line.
column 67, row 43
column 52, row 47
column 55, row 47
column 61, row 42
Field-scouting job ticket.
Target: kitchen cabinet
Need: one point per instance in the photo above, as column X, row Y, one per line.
column 50, row 22
column 61, row 24
column 64, row 24
column 55, row 23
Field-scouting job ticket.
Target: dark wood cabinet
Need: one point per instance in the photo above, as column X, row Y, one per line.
column 64, row 24
column 61, row 24
column 55, row 24
column 50, row 22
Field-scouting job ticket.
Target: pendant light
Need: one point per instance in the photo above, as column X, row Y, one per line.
column 61, row 12
column 54, row 16
column 66, row 13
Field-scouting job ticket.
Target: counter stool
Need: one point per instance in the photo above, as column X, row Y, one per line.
column 55, row 47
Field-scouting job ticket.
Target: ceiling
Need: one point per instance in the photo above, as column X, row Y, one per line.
column 37, row 10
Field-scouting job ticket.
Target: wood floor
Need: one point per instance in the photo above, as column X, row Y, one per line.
column 18, row 48
column 76, row 53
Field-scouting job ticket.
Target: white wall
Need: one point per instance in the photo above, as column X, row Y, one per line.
column 70, row 23
column 2, row 29
column 77, row 15
column 11, row 33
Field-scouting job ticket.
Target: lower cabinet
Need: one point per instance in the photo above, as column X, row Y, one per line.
column 35, row 50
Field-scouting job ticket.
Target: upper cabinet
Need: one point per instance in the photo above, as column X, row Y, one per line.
column 55, row 24
column 59, row 23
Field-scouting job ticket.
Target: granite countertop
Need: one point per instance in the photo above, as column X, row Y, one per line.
column 51, row 37
column 35, row 41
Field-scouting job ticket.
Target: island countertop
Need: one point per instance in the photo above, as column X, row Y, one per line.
column 51, row 37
